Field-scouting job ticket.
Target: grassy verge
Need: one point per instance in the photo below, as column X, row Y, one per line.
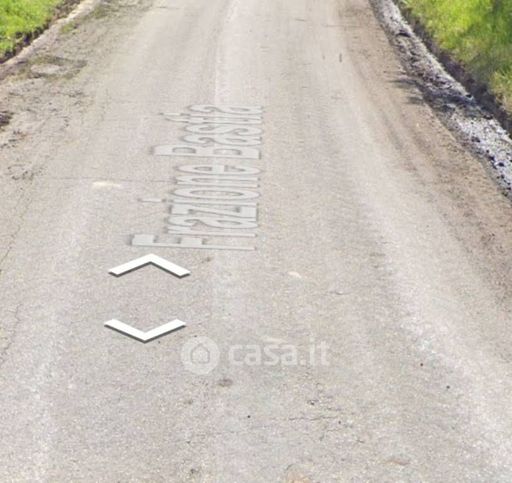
column 20, row 20
column 477, row 33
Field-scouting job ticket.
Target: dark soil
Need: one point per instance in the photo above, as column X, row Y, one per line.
column 5, row 118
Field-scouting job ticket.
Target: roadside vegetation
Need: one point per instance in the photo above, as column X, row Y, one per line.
column 478, row 33
column 21, row 19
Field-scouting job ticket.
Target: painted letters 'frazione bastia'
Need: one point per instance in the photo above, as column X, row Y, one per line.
column 213, row 201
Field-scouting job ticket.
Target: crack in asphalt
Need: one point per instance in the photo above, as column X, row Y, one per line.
column 12, row 336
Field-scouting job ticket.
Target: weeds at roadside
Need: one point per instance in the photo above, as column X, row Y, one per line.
column 478, row 33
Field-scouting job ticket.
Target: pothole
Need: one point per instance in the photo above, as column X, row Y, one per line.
column 43, row 70
column 52, row 66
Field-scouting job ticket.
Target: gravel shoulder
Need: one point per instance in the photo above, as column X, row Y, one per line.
column 474, row 125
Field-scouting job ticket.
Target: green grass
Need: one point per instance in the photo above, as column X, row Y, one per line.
column 19, row 18
column 479, row 35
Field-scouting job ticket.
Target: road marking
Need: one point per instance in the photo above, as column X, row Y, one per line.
column 141, row 336
column 217, row 132
column 217, row 151
column 209, row 199
column 187, row 231
column 150, row 260
column 148, row 240
column 199, row 214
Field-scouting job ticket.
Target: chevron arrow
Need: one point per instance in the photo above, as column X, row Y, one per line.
column 150, row 259
column 141, row 336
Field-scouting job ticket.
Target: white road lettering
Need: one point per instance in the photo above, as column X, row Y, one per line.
column 206, row 152
column 216, row 193
column 218, row 169
column 223, row 139
column 212, row 200
column 184, row 242
column 224, row 129
column 241, row 212
column 244, row 110
column 178, row 230
column 187, row 118
column 232, row 181
column 214, row 222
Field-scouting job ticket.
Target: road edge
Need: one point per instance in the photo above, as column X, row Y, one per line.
column 473, row 124
column 49, row 36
